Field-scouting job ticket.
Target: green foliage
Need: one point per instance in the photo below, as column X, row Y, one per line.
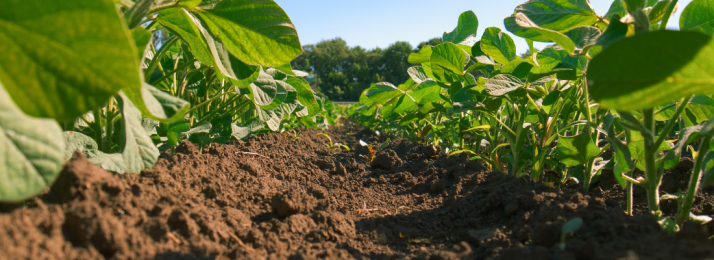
column 210, row 74
column 619, row 77
column 31, row 152
column 62, row 59
column 643, row 80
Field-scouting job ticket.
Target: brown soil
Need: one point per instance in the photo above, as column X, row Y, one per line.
column 297, row 199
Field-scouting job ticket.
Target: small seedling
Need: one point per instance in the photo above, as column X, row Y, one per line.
column 332, row 145
column 570, row 227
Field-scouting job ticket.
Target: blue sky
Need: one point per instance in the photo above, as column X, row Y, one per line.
column 378, row 23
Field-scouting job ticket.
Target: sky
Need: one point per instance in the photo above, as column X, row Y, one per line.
column 379, row 23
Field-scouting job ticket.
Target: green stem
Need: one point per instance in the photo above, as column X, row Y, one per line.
column 109, row 126
column 157, row 57
column 98, row 127
column 667, row 14
column 694, row 181
column 672, row 121
column 206, row 102
column 652, row 178
column 173, row 72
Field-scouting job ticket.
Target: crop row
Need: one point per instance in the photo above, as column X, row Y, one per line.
column 617, row 82
column 123, row 81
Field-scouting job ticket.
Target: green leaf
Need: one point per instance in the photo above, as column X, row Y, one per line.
column 245, row 130
column 264, row 90
column 272, row 117
column 379, row 93
column 136, row 13
column 30, row 152
column 64, row 58
column 190, row 30
column 616, row 8
column 575, row 62
column 258, row 32
column 138, row 150
column 615, row 32
column 498, row 45
column 156, row 104
column 190, row 4
column 450, row 57
column 76, row 141
column 175, row 130
column 698, row 16
column 426, row 92
column 280, row 95
column 545, row 34
column 466, row 30
column 501, row 84
column 682, row 66
column 424, row 55
column 658, row 10
column 141, row 37
column 555, row 15
column 576, row 150
column 417, row 74
column 305, row 95
column 584, row 36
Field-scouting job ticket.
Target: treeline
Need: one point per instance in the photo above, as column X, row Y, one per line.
column 343, row 72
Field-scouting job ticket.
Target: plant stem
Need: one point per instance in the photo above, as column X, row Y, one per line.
column 98, row 127
column 206, row 102
column 672, row 121
column 109, row 126
column 695, row 179
column 652, row 178
column 173, row 72
column 667, row 14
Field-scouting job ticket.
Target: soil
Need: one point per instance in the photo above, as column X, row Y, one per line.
column 275, row 197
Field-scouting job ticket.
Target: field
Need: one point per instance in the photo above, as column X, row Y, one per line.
column 298, row 198
column 161, row 129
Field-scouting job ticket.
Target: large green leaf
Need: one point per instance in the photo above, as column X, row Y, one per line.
column 305, row 95
column 498, row 45
column 545, row 34
column 379, row 93
column 138, row 150
column 450, row 57
column 64, row 58
column 258, row 32
column 465, row 32
column 182, row 23
column 555, row 15
column 576, row 150
column 682, row 66
column 30, row 152
column 698, row 16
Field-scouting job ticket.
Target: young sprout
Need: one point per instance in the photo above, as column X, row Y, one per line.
column 569, row 227
column 334, row 145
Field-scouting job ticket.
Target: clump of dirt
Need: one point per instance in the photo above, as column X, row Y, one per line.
column 280, row 198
